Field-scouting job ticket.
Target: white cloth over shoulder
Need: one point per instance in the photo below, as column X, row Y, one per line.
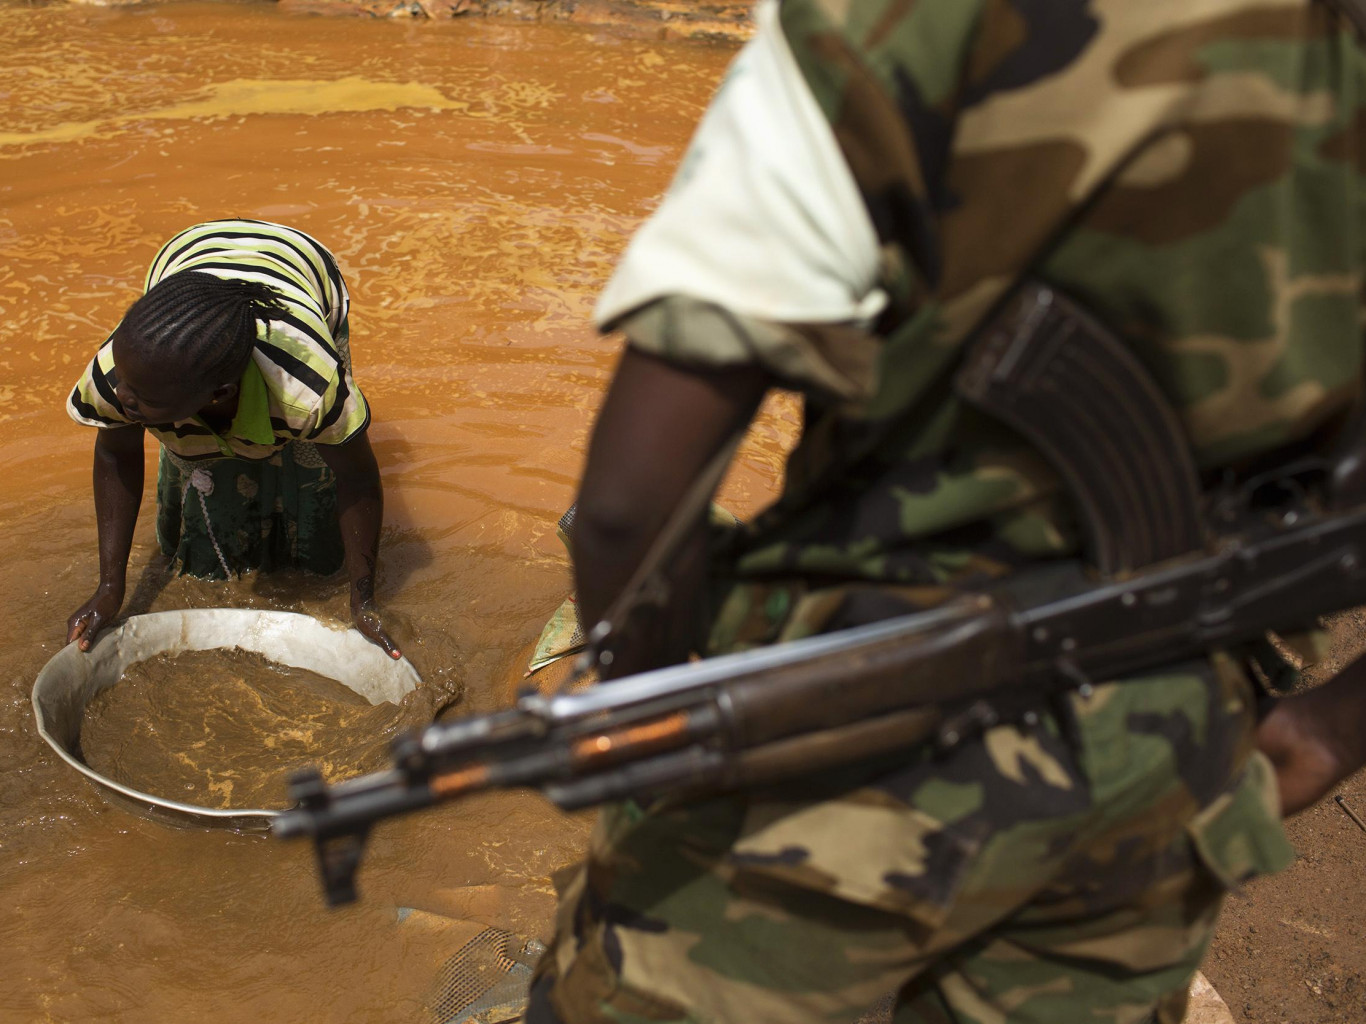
column 763, row 217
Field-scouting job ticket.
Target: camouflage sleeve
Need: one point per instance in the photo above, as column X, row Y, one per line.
column 833, row 361
column 890, row 79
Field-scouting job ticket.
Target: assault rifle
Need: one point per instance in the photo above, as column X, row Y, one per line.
column 1169, row 575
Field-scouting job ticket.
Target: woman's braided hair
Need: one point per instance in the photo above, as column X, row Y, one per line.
column 199, row 325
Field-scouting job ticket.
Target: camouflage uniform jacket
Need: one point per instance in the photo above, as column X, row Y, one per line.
column 1190, row 171
column 1182, row 169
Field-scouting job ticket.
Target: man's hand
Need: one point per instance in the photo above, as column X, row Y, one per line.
column 1317, row 739
column 365, row 615
column 87, row 620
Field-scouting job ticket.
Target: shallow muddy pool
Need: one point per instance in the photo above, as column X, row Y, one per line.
column 476, row 180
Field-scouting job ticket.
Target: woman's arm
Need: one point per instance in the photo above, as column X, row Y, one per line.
column 360, row 508
column 118, row 477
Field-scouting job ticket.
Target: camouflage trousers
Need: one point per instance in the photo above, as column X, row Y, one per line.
column 1067, row 870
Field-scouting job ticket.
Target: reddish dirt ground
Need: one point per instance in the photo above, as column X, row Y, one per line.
column 1291, row 949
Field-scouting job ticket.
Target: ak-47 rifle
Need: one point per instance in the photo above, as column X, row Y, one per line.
column 1167, row 577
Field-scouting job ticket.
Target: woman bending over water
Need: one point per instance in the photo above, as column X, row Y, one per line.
column 236, row 359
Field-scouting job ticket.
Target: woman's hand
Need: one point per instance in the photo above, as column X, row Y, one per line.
column 365, row 615
column 87, row 620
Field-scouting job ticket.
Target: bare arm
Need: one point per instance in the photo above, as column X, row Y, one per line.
column 658, row 428
column 360, row 508
column 118, row 478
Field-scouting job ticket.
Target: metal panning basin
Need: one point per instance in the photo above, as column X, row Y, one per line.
column 70, row 681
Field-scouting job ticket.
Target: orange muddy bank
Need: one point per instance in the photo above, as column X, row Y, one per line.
column 687, row 19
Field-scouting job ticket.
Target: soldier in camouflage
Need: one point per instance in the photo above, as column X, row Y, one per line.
column 873, row 176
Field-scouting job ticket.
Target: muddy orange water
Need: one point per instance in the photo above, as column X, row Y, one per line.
column 477, row 180
column 224, row 728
